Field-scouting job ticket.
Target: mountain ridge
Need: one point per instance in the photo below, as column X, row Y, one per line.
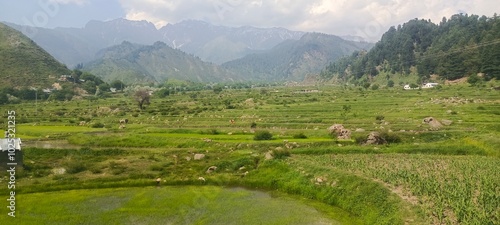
column 293, row 60
column 24, row 63
column 135, row 63
column 460, row 46
column 212, row 43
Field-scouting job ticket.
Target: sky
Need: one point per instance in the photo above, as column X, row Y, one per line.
column 364, row 18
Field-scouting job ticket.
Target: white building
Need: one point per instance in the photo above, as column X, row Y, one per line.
column 430, row 85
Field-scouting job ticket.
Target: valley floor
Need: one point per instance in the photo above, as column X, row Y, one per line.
column 76, row 157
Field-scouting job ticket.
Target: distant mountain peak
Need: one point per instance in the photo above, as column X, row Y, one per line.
column 120, row 22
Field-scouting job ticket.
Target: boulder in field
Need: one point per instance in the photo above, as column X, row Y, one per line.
column 211, row 169
column 374, row 138
column 199, row 156
column 433, row 123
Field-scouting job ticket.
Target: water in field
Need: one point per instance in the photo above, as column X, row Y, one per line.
column 171, row 205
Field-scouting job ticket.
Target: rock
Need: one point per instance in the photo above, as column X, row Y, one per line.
column 374, row 138
column 269, row 155
column 360, row 130
column 344, row 134
column 58, row 171
column 211, row 169
column 201, row 178
column 446, row 122
column 340, row 131
column 188, row 158
column 335, row 128
column 199, row 156
column 433, row 123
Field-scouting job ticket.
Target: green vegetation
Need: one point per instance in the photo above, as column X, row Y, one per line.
column 176, row 205
column 24, row 63
column 457, row 47
column 263, row 135
column 451, row 189
column 192, row 139
column 133, row 63
column 285, row 62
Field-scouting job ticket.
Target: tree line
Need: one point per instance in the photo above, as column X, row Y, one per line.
column 457, row 47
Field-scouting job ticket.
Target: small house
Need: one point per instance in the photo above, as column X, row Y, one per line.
column 15, row 156
column 430, row 85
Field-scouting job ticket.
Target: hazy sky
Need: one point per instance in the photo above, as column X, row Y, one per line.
column 365, row 18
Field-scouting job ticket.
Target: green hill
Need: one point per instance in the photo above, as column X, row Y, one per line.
column 293, row 60
column 455, row 48
column 23, row 63
column 134, row 63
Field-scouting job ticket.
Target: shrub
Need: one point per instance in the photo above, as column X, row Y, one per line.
column 98, row 125
column 280, row 153
column 263, row 135
column 76, row 167
column 390, row 83
column 95, row 170
column 213, row 131
column 390, row 137
column 300, row 136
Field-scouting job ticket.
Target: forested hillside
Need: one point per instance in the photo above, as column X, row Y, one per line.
column 457, row 47
column 293, row 60
column 23, row 63
column 134, row 63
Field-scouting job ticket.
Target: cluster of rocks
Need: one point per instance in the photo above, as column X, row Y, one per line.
column 290, row 145
column 455, row 100
column 340, row 131
column 374, row 138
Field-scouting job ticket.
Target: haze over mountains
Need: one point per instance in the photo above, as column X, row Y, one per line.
column 135, row 51
column 292, row 60
column 134, row 63
column 211, row 43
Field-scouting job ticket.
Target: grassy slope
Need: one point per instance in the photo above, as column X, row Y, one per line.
column 25, row 63
column 178, row 126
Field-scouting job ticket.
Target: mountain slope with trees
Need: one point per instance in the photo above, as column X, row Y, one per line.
column 134, row 63
column 457, row 47
column 293, row 60
column 24, row 63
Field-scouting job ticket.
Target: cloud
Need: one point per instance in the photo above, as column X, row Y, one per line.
column 65, row 2
column 366, row 18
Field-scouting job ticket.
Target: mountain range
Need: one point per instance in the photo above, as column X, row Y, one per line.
column 137, row 52
column 293, row 60
column 211, row 43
